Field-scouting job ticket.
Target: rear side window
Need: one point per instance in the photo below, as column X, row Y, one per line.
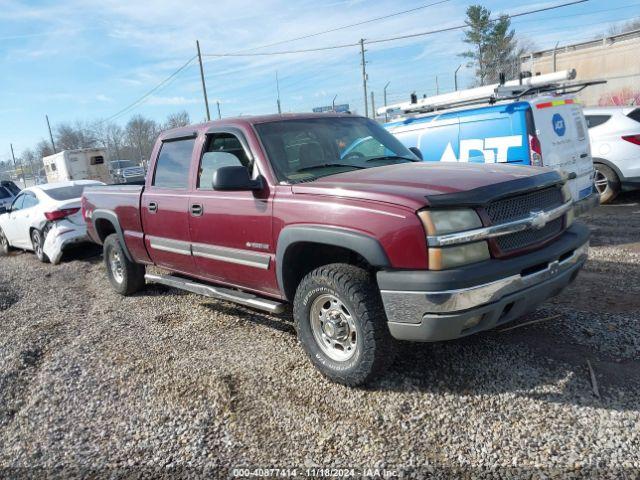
column 635, row 115
column 595, row 120
column 30, row 200
column 172, row 167
column 65, row 193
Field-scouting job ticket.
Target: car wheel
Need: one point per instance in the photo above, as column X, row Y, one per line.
column 37, row 241
column 607, row 183
column 4, row 244
column 341, row 324
column 125, row 276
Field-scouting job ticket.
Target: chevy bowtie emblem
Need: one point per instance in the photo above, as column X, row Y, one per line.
column 538, row 219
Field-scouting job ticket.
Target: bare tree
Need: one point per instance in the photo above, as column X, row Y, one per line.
column 140, row 134
column 625, row 27
column 71, row 137
column 178, row 119
column 43, row 149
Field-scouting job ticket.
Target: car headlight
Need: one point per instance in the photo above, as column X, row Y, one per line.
column 440, row 222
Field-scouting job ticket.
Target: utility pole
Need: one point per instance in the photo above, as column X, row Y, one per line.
column 278, row 90
column 373, row 106
column 384, row 96
column 204, row 86
column 364, row 78
column 15, row 166
column 53, row 145
column 333, row 102
column 218, row 105
column 455, row 77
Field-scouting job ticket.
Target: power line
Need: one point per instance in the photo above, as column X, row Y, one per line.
column 458, row 27
column 343, row 27
column 150, row 92
column 390, row 39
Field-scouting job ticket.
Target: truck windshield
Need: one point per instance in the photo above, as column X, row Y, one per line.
column 302, row 150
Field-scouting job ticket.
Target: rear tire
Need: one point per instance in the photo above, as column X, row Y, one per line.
column 342, row 325
column 607, row 183
column 4, row 244
column 126, row 277
column 37, row 241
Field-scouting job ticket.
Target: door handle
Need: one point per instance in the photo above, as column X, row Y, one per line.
column 196, row 210
column 152, row 207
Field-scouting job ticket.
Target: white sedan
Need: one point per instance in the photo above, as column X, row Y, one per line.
column 45, row 219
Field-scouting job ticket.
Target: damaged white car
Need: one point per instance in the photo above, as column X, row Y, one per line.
column 45, row 219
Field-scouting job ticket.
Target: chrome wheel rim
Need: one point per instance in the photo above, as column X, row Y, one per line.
column 334, row 328
column 601, row 182
column 35, row 240
column 115, row 263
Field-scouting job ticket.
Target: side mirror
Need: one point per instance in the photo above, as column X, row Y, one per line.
column 235, row 178
column 416, row 151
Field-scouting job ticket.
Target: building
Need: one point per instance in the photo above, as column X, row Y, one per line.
column 614, row 58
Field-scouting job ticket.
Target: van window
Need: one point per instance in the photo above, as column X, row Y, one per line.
column 172, row 167
column 223, row 150
column 99, row 160
column 595, row 120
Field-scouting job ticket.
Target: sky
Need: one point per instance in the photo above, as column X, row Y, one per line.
column 88, row 60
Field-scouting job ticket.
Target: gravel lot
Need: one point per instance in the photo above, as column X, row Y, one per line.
column 171, row 383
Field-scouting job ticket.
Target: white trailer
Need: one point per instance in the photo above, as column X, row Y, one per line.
column 81, row 164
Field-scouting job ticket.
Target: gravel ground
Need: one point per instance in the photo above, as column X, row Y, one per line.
column 169, row 383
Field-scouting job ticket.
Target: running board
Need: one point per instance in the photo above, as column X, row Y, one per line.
column 221, row 293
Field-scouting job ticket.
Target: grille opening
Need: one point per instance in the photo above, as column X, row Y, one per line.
column 534, row 269
column 565, row 256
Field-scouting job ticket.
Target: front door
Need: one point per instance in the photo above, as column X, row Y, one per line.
column 165, row 207
column 20, row 220
column 231, row 230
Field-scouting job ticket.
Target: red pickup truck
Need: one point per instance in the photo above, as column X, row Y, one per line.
column 332, row 214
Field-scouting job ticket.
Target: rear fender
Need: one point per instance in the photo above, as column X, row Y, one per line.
column 112, row 218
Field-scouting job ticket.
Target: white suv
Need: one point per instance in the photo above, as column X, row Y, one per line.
column 615, row 147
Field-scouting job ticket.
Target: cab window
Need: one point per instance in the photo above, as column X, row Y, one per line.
column 222, row 150
column 172, row 167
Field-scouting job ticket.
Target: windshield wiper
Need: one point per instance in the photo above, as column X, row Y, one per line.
column 390, row 157
column 324, row 165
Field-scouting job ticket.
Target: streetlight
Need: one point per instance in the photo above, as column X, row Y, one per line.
column 384, row 95
column 455, row 77
column 333, row 102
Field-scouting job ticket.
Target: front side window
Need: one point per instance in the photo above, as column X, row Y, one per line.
column 222, row 150
column 172, row 167
column 306, row 149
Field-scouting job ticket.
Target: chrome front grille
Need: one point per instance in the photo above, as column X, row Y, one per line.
column 521, row 206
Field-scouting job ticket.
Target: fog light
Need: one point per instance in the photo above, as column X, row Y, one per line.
column 472, row 322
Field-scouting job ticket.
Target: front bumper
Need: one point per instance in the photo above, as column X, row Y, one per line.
column 586, row 204
column 61, row 236
column 451, row 304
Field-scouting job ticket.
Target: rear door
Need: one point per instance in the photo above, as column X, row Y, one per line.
column 164, row 206
column 231, row 230
column 562, row 132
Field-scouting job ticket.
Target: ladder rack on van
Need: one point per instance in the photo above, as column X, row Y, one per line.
column 557, row 82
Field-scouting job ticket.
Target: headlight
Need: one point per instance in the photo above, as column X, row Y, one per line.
column 451, row 257
column 440, row 222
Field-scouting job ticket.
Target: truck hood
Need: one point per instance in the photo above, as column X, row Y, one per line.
column 416, row 185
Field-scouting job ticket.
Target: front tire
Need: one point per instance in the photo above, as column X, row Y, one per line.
column 607, row 183
column 341, row 324
column 4, row 244
column 126, row 277
column 37, row 241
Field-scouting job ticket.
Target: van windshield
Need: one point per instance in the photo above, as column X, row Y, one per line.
column 302, row 150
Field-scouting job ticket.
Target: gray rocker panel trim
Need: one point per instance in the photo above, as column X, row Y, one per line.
column 364, row 245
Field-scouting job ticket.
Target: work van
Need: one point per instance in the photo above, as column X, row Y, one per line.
column 80, row 164
column 539, row 130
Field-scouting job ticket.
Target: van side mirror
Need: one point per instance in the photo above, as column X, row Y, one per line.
column 235, row 178
column 416, row 151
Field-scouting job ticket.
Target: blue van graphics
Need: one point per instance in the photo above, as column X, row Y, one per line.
column 494, row 134
column 558, row 124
